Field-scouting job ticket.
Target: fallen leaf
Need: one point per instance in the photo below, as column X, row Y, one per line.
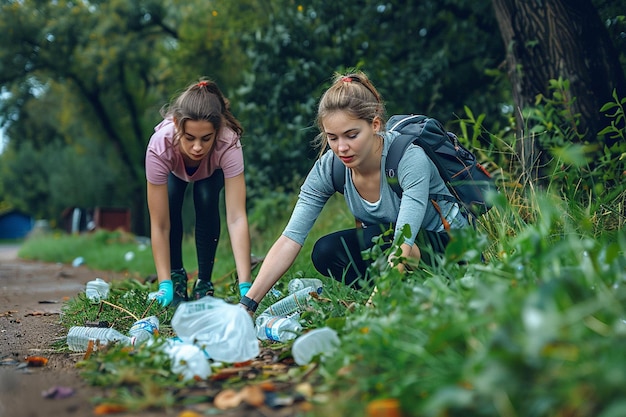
column 252, row 395
column 40, row 313
column 268, row 386
column 386, row 407
column 103, row 409
column 227, row 399
column 36, row 361
column 189, row 413
column 225, row 373
column 8, row 313
column 305, row 389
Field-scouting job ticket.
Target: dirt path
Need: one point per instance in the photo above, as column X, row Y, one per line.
column 31, row 296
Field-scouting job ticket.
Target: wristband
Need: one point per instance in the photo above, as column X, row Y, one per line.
column 249, row 303
column 244, row 287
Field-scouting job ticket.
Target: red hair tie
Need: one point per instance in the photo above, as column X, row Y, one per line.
column 202, row 84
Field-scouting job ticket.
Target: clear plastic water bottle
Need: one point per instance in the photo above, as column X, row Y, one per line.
column 144, row 329
column 276, row 328
column 290, row 304
column 323, row 341
column 297, row 284
column 78, row 337
column 97, row 290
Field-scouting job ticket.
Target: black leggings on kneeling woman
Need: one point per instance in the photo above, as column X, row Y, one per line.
column 338, row 254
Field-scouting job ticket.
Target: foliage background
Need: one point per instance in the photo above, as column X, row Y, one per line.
column 87, row 79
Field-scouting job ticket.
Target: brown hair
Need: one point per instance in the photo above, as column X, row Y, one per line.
column 353, row 93
column 201, row 101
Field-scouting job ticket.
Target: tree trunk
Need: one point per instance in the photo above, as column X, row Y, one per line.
column 548, row 39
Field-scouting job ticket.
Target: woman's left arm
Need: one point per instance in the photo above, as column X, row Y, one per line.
column 237, row 222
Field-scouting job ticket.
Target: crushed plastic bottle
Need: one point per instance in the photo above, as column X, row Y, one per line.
column 292, row 303
column 276, row 328
column 144, row 329
column 322, row 341
column 78, row 337
column 97, row 290
column 297, row 284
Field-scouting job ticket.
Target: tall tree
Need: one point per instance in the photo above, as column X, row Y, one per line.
column 552, row 39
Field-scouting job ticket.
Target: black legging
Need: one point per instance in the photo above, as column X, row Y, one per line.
column 206, row 198
column 338, row 255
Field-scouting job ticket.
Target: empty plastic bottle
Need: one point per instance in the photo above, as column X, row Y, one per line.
column 97, row 290
column 144, row 329
column 297, row 284
column 290, row 304
column 279, row 329
column 78, row 337
column 323, row 341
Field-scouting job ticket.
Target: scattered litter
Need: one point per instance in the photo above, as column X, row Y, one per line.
column 188, row 361
column 36, row 361
column 78, row 262
column 297, row 284
column 9, row 361
column 79, row 337
column 144, row 330
column 129, row 256
column 100, row 323
column 97, row 290
column 322, row 341
column 58, row 392
column 48, row 302
column 225, row 331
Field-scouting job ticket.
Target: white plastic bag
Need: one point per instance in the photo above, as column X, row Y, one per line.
column 224, row 331
column 188, row 360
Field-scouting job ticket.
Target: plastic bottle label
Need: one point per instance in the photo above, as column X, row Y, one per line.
column 271, row 328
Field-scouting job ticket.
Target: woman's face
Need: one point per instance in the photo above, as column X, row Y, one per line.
column 352, row 140
column 197, row 141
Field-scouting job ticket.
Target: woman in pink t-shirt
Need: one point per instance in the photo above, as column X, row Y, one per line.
column 197, row 142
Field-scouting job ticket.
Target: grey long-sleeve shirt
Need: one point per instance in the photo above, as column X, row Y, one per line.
column 418, row 177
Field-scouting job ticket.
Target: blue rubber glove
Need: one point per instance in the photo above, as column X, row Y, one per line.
column 244, row 287
column 165, row 295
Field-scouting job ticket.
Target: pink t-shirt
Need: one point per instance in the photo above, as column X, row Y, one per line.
column 162, row 157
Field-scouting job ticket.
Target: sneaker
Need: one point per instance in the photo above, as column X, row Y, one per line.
column 179, row 280
column 202, row 289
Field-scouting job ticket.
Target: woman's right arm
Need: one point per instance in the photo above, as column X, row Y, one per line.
column 158, row 205
column 280, row 257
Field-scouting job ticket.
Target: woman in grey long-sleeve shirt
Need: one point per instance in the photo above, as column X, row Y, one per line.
column 351, row 119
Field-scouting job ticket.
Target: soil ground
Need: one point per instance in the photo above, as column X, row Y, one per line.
column 31, row 299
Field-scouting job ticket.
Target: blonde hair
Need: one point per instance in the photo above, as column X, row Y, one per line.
column 353, row 93
column 201, row 101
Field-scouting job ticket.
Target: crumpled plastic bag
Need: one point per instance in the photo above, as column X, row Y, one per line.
column 188, row 361
column 224, row 331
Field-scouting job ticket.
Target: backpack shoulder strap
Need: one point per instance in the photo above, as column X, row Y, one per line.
column 338, row 174
column 396, row 150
